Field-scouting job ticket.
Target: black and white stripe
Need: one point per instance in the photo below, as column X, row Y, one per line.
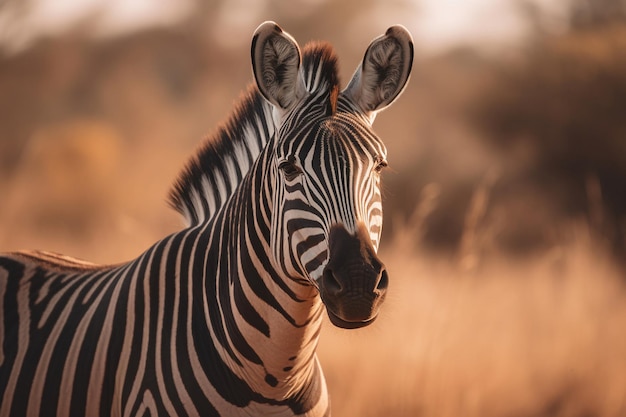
column 222, row 318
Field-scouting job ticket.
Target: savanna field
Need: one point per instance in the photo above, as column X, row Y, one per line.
column 540, row 337
column 505, row 201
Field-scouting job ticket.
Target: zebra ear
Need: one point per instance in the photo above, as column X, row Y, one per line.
column 384, row 72
column 276, row 63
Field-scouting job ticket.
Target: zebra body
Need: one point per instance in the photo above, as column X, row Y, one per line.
column 222, row 318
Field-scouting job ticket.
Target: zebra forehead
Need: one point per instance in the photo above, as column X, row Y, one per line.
column 339, row 139
column 351, row 135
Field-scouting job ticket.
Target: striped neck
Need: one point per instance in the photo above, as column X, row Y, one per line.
column 273, row 322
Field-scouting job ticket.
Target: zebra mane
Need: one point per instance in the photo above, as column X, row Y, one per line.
column 212, row 175
column 321, row 72
column 223, row 159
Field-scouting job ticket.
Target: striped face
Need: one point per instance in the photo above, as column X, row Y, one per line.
column 325, row 167
column 327, row 215
column 328, row 175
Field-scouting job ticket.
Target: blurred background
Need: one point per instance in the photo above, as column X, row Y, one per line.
column 505, row 208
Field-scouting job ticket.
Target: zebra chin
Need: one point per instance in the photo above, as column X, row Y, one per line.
column 345, row 324
column 354, row 282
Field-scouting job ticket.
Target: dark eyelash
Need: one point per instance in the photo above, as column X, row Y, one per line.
column 380, row 165
column 290, row 170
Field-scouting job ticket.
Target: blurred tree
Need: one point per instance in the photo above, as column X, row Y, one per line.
column 560, row 109
column 593, row 14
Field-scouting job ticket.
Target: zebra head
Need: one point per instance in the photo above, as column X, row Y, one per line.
column 325, row 165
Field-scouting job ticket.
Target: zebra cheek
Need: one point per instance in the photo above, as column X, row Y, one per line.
column 309, row 246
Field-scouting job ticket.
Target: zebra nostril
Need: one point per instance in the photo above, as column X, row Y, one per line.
column 330, row 283
column 383, row 282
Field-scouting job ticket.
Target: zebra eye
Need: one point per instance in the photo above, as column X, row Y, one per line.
column 380, row 165
column 290, row 170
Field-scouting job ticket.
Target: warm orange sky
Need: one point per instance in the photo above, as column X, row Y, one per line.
column 437, row 23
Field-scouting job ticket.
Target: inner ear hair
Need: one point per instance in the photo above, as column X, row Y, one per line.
column 384, row 71
column 276, row 62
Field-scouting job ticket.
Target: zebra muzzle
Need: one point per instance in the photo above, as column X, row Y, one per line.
column 354, row 281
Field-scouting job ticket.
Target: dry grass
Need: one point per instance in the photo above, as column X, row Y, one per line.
column 536, row 338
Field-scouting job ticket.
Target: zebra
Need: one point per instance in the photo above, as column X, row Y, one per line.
column 283, row 216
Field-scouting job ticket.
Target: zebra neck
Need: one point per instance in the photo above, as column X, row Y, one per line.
column 270, row 322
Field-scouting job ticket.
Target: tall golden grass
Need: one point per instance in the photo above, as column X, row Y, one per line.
column 538, row 337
